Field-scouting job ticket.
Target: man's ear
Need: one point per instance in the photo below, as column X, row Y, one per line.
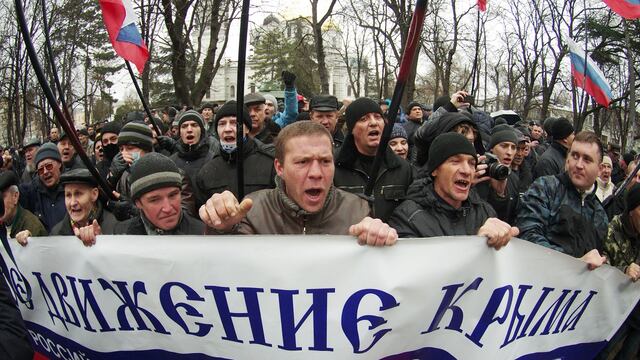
column 278, row 166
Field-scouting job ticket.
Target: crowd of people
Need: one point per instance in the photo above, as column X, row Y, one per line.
column 449, row 169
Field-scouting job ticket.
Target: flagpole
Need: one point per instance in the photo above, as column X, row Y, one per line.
column 242, row 54
column 413, row 42
column 51, row 99
column 145, row 105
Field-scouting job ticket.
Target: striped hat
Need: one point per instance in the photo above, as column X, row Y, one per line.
column 137, row 134
column 153, row 171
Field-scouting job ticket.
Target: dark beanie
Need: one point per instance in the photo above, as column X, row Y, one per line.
column 447, row 145
column 192, row 115
column 561, row 129
column 229, row 109
column 500, row 127
column 412, row 105
column 8, row 178
column 548, row 123
column 359, row 108
column 398, row 132
column 441, row 101
column 111, row 127
column 501, row 136
column 628, row 157
column 153, row 171
column 78, row 176
column 499, row 121
column 48, row 151
column 632, row 198
column 137, row 134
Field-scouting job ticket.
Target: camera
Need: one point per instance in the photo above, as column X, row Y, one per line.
column 495, row 170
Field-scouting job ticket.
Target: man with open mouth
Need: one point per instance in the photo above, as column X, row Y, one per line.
column 220, row 172
column 354, row 161
column 443, row 204
column 304, row 201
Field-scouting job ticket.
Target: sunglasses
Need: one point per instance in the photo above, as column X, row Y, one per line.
column 48, row 167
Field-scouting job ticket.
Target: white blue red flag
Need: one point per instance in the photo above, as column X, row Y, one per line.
column 482, row 5
column 120, row 20
column 588, row 76
column 628, row 9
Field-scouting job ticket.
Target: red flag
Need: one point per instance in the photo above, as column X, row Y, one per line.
column 120, row 21
column 628, row 9
column 482, row 5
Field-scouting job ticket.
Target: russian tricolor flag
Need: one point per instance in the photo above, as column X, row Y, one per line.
column 482, row 5
column 120, row 21
column 588, row 76
column 628, row 9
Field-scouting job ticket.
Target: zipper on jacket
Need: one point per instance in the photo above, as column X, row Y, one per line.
column 304, row 225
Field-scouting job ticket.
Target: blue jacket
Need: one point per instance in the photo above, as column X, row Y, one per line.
column 554, row 214
column 46, row 204
column 290, row 112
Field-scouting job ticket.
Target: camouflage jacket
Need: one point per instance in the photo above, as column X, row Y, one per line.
column 554, row 214
column 622, row 245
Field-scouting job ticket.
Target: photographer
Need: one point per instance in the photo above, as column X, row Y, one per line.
column 499, row 185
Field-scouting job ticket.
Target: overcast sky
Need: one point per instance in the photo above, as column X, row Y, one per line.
column 259, row 10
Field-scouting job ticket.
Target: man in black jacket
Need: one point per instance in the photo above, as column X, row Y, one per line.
column 444, row 204
column 220, row 173
column 551, row 162
column 354, row 161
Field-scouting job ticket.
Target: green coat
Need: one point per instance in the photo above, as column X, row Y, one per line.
column 25, row 220
column 622, row 245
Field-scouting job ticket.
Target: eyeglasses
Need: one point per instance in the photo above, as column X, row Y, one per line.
column 48, row 167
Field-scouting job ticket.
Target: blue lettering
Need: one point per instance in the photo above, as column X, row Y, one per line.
column 350, row 317
column 572, row 322
column 61, row 290
column 170, row 308
column 516, row 317
column 131, row 303
column 48, row 299
column 558, row 309
column 489, row 314
column 289, row 328
column 20, row 292
column 88, row 302
column 449, row 303
column 253, row 313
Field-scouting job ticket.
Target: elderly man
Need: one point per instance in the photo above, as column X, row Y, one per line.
column 44, row 195
column 324, row 111
column 70, row 160
column 17, row 219
column 304, row 201
column 444, row 204
column 256, row 103
column 30, row 148
column 605, row 187
column 355, row 158
column 562, row 211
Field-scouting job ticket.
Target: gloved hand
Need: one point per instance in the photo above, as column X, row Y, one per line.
column 117, row 168
column 122, row 209
column 289, row 79
column 167, row 143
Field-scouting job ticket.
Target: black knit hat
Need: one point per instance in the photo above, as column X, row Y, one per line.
column 111, row 127
column 561, row 129
column 137, row 134
column 8, row 178
column 412, row 105
column 229, row 109
column 632, row 198
column 547, row 124
column 48, row 151
column 192, row 115
column 445, row 146
column 398, row 131
column 441, row 101
column 503, row 136
column 359, row 108
column 78, row 176
column 628, row 157
column 153, row 171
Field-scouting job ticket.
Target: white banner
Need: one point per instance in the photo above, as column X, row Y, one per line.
column 313, row 297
